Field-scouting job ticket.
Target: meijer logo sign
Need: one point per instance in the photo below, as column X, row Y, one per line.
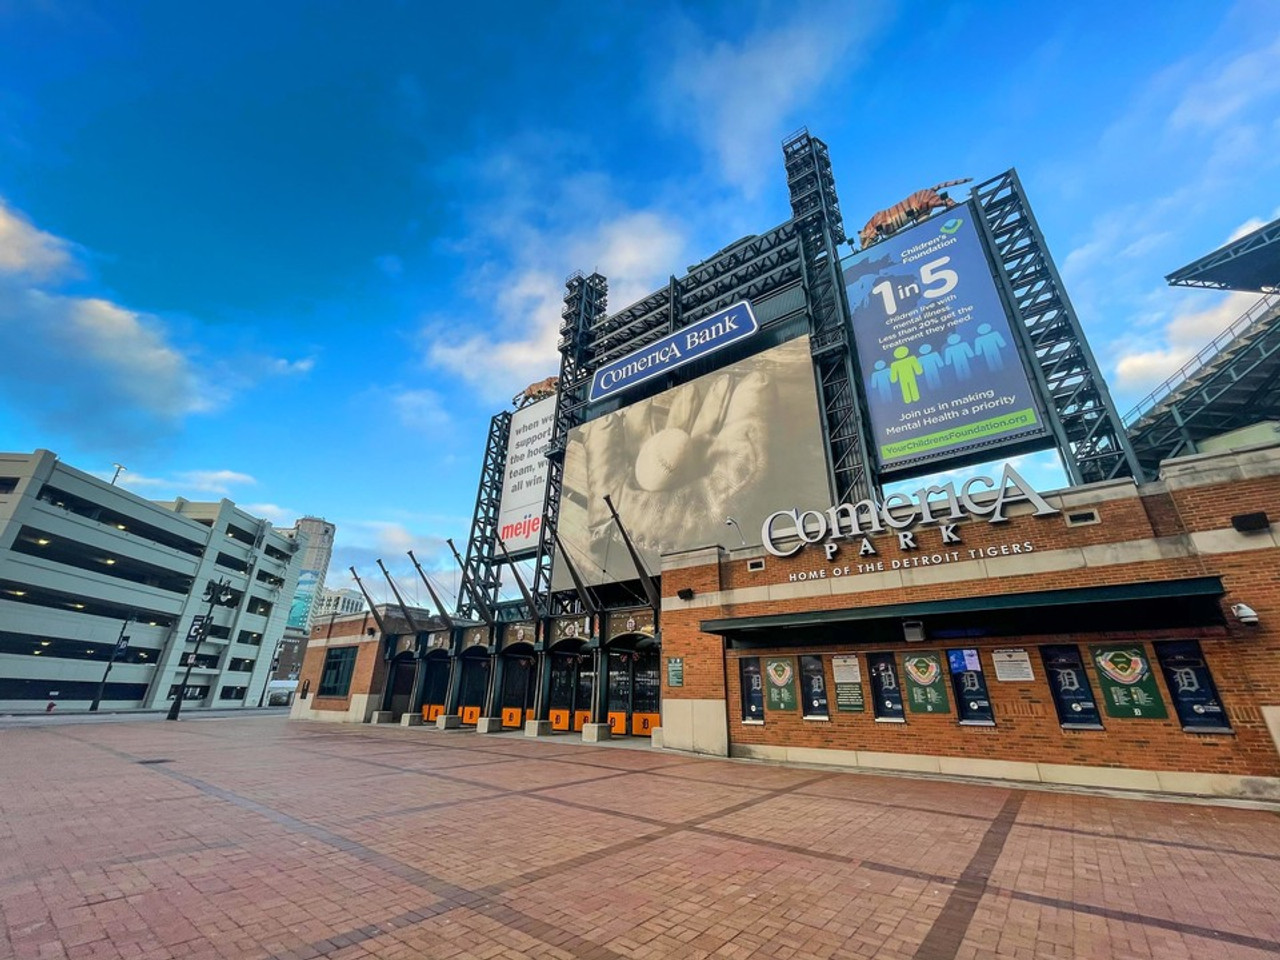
column 674, row 350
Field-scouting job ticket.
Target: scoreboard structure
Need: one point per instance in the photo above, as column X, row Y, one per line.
column 772, row 369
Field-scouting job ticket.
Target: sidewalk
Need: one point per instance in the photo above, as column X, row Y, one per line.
column 258, row 837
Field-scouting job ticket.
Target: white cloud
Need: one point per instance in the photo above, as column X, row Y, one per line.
column 421, row 410
column 94, row 369
column 28, row 251
column 1228, row 90
column 278, row 515
column 186, row 483
column 1145, row 365
column 741, row 98
column 634, row 250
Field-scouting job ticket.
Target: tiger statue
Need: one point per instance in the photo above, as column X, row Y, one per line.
column 535, row 392
column 920, row 204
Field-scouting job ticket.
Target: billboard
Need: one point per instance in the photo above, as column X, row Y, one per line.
column 687, row 344
column 303, row 597
column 939, row 362
column 524, row 481
column 732, row 443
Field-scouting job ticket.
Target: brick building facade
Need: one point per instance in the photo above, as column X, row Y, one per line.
column 1140, row 581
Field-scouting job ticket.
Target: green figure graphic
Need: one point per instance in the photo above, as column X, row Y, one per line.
column 903, row 371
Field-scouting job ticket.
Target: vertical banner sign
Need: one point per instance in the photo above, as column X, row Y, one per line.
column 524, row 478
column 752, row 690
column 973, row 703
column 815, row 688
column 1072, row 695
column 848, row 674
column 885, row 692
column 939, row 362
column 1195, row 696
column 926, row 683
column 780, row 682
column 1128, row 685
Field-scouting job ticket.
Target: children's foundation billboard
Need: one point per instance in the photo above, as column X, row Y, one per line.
column 940, row 364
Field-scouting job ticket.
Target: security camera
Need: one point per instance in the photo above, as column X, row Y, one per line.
column 1244, row 613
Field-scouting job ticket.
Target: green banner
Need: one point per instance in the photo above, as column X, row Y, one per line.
column 1128, row 685
column 926, row 683
column 780, row 684
column 993, row 426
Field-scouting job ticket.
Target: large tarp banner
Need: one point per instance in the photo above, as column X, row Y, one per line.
column 938, row 358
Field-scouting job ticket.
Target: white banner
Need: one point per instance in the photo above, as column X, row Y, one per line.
column 524, row 482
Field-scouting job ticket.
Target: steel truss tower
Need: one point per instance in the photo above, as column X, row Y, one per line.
column 480, row 578
column 816, row 212
column 586, row 301
column 1085, row 425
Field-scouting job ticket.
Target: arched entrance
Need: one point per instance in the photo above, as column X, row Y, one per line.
column 635, row 688
column 572, row 681
column 400, row 679
column 435, row 687
column 515, row 703
column 474, row 683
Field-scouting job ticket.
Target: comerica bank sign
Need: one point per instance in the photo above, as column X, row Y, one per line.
column 978, row 497
column 674, row 350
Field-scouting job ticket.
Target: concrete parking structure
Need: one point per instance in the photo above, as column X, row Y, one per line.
column 257, row 837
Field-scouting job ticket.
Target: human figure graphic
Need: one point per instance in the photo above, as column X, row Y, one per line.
column 904, row 371
column 882, row 381
column 933, row 365
column 989, row 343
column 958, row 354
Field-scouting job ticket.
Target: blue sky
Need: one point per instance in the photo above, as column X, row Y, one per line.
column 298, row 254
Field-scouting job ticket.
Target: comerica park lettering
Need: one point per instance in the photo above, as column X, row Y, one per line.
column 944, row 505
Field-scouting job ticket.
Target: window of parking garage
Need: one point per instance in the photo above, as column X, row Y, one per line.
column 57, row 600
column 240, row 664
column 339, row 664
column 231, row 563
column 119, row 521
column 8, row 485
column 48, row 689
column 39, row 645
column 34, row 542
column 276, row 554
column 259, row 607
column 232, row 693
column 240, row 534
column 192, row 693
column 249, row 638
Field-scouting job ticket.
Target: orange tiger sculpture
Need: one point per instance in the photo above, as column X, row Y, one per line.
column 535, row 392
column 921, row 203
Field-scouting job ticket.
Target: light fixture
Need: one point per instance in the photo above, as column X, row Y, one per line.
column 36, row 653
column 730, row 522
column 1245, row 614
column 45, row 643
column 120, row 526
column 685, row 593
column 42, row 541
column 108, row 560
column 912, row 631
column 78, row 606
column 16, row 593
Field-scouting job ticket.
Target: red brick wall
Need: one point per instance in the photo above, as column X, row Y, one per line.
column 1245, row 661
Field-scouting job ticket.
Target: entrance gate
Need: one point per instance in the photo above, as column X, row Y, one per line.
column 634, row 687
column 518, row 675
column 474, row 685
column 435, row 688
column 399, row 695
column 572, row 682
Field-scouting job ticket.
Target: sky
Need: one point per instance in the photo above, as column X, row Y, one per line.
column 298, row 254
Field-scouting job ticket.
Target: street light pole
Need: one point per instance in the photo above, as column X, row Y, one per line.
column 215, row 593
column 121, row 642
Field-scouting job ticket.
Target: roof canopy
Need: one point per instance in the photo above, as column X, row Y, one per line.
column 1250, row 263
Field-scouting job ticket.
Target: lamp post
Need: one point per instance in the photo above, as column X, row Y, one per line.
column 122, row 643
column 216, row 593
column 275, row 662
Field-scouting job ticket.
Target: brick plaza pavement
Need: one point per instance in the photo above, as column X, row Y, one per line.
column 258, row 837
